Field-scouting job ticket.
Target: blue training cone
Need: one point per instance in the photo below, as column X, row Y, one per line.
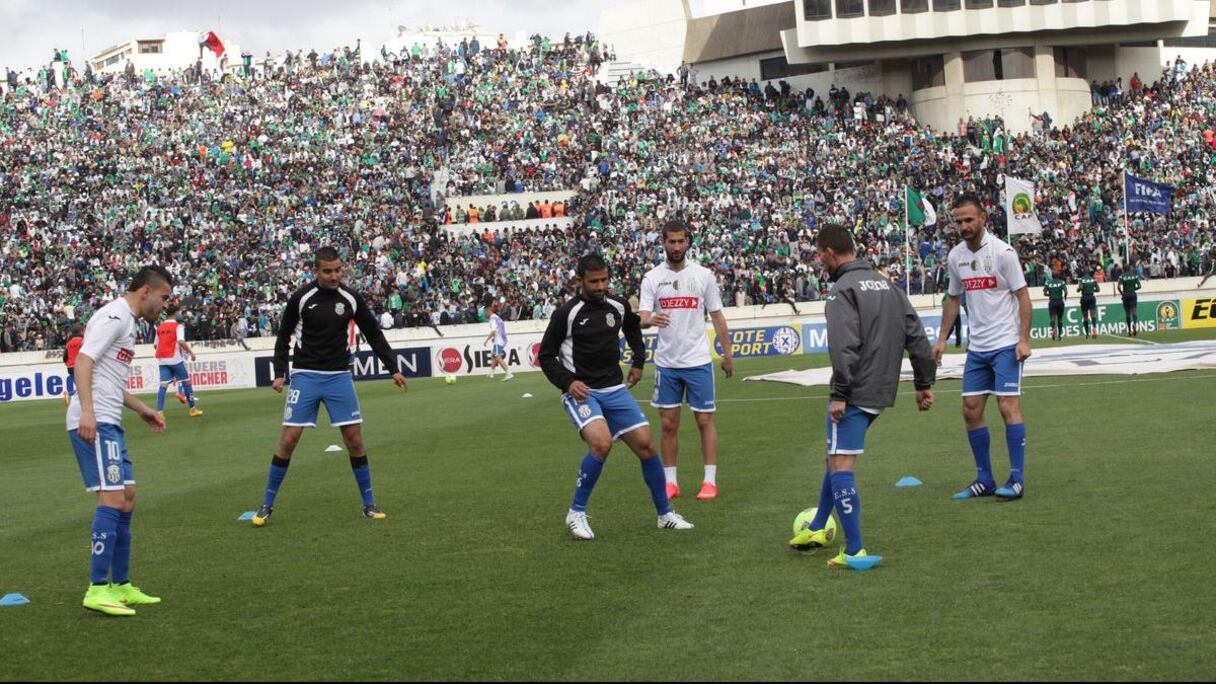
column 247, row 515
column 864, row 562
column 908, row 481
column 13, row 600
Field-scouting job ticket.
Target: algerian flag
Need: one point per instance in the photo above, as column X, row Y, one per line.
column 916, row 208
column 930, row 213
column 1019, row 207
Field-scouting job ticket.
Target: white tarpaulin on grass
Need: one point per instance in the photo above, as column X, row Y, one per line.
column 1105, row 359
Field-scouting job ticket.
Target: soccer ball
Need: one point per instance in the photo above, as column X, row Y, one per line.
column 450, row 379
column 803, row 522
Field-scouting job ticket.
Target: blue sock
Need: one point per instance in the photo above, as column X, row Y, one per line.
column 278, row 471
column 363, row 476
column 105, row 538
column 825, row 503
column 120, row 569
column 980, row 443
column 848, row 507
column 160, row 398
column 588, row 474
column 1015, row 437
column 652, row 472
column 188, row 390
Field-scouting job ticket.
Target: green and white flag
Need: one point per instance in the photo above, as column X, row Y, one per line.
column 916, row 207
column 1019, row 207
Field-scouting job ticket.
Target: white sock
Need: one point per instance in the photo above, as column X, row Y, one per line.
column 671, row 474
column 711, row 474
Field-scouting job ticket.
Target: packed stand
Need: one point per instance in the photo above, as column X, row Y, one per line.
column 231, row 183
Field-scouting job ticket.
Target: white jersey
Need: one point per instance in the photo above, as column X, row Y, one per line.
column 990, row 277
column 499, row 329
column 109, row 339
column 686, row 296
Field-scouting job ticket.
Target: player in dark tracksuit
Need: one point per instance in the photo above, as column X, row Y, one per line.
column 580, row 354
column 1127, row 286
column 870, row 324
column 318, row 315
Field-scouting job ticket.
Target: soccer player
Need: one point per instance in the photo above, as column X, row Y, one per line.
column 318, row 314
column 1127, row 285
column 1056, row 291
column 498, row 333
column 94, row 425
column 70, row 351
column 1089, row 303
column 171, row 350
column 674, row 296
column 989, row 271
column 870, row 324
column 580, row 354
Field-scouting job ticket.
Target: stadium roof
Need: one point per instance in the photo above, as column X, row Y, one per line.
column 742, row 32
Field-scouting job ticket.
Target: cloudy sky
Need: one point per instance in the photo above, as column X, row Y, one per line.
column 30, row 29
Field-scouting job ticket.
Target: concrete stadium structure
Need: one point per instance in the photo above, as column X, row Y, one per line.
column 948, row 58
column 171, row 52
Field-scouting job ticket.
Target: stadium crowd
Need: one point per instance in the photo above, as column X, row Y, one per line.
column 232, row 182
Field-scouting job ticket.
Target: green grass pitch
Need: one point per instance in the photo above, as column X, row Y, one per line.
column 1104, row 571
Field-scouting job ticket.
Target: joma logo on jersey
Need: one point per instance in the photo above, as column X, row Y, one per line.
column 981, row 283
column 679, row 302
column 126, row 355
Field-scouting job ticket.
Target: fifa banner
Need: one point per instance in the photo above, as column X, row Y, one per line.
column 1019, row 207
column 47, row 381
column 1146, row 196
column 415, row 362
column 1199, row 313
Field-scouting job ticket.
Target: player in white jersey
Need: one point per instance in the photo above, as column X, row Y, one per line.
column 676, row 295
column 498, row 333
column 94, row 424
column 998, row 304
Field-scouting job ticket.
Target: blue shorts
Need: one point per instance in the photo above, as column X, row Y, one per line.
column 105, row 464
column 849, row 435
column 176, row 372
column 499, row 350
column 309, row 389
column 993, row 372
column 673, row 385
column 615, row 406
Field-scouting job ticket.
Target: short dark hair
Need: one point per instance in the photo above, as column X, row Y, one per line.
column 835, row 237
column 591, row 262
column 148, row 275
column 676, row 226
column 967, row 198
column 326, row 253
column 172, row 310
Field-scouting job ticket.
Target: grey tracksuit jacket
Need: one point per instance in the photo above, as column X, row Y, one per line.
column 870, row 324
